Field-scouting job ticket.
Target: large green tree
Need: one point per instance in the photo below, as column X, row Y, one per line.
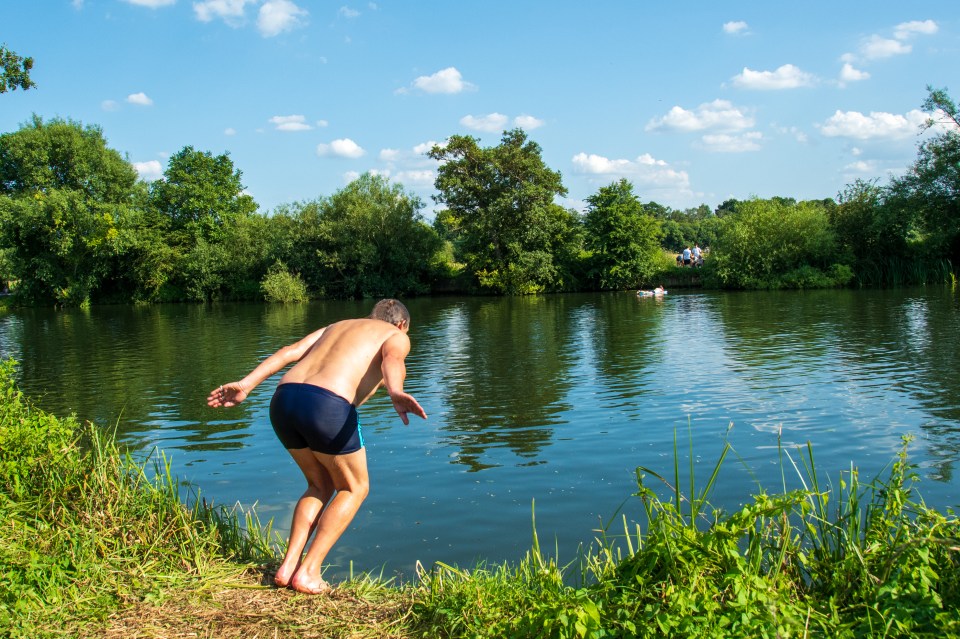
column 372, row 241
column 198, row 204
column 67, row 205
column 623, row 241
column 14, row 71
column 502, row 216
column 931, row 187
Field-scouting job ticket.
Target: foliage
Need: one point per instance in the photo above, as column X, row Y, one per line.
column 931, row 187
column 776, row 243
column 878, row 563
column 280, row 285
column 372, row 241
column 86, row 529
column 623, row 241
column 501, row 216
column 14, row 71
column 66, row 205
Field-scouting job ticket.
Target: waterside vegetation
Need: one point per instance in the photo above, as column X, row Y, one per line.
column 97, row 544
column 77, row 226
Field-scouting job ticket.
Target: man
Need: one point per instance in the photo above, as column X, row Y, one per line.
column 314, row 414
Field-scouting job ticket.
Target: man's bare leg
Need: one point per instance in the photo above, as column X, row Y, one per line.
column 307, row 512
column 350, row 480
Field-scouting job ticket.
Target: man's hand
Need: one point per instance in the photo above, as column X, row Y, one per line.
column 404, row 403
column 229, row 394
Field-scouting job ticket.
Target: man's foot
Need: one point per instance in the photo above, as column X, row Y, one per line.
column 285, row 574
column 309, row 586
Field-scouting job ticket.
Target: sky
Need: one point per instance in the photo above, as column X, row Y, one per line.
column 693, row 103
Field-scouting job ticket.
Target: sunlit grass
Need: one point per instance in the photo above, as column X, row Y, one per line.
column 95, row 544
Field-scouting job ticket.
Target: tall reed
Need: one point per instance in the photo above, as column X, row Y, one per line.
column 852, row 560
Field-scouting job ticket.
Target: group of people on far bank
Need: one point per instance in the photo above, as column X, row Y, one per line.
column 690, row 257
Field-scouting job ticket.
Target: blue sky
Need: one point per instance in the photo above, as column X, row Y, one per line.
column 693, row 102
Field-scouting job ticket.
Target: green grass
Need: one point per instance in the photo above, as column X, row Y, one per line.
column 95, row 544
column 863, row 560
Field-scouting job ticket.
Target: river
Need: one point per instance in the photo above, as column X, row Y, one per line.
column 536, row 404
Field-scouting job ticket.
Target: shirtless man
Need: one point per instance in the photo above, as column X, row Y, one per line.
column 314, row 413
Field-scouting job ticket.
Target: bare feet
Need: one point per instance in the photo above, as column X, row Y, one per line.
column 283, row 576
column 301, row 583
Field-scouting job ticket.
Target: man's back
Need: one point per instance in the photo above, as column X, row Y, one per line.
column 346, row 358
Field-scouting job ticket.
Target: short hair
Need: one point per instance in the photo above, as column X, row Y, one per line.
column 391, row 311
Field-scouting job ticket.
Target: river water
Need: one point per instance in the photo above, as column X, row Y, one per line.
column 537, row 404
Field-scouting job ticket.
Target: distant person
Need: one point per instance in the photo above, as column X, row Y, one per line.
column 314, row 414
column 679, row 260
column 697, row 255
column 686, row 256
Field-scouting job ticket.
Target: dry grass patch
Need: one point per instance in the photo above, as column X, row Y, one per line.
column 246, row 608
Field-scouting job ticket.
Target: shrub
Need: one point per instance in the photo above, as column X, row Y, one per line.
column 280, row 285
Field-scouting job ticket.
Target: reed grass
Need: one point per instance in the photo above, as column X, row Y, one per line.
column 93, row 544
column 852, row 560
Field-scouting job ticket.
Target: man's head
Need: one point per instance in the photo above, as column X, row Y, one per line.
column 392, row 311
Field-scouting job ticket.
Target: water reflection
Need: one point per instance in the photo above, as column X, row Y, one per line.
column 504, row 375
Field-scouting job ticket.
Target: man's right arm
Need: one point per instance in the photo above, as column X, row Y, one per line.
column 394, row 370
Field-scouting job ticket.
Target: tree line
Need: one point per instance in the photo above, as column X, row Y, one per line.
column 78, row 226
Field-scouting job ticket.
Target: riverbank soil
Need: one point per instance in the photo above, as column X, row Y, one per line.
column 247, row 608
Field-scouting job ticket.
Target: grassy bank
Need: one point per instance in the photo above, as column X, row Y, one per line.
column 95, row 544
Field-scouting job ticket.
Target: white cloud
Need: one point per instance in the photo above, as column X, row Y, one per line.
column 109, row 105
column 729, row 143
column 290, row 123
column 644, row 170
column 229, row 131
column 230, row 11
column 322, row 123
column 347, row 12
column 849, row 74
column 342, row 148
column 492, row 122
column 719, row 115
column 152, row 4
column 424, row 147
column 738, row 27
column 139, row 99
column 905, row 30
column 416, row 178
column 860, row 166
column 277, row 16
column 876, row 125
column 787, row 76
column 150, row 170
column 389, row 155
column 877, row 48
column 77, row 4
column 446, row 80
column 528, row 122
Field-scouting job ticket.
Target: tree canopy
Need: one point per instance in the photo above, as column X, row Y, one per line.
column 14, row 71
column 502, row 217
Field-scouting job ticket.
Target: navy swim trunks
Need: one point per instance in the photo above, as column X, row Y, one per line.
column 308, row 416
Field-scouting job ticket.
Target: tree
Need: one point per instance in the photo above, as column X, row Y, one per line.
column 503, row 220
column 777, row 243
column 199, row 194
column 373, row 242
column 623, row 240
column 14, row 71
column 198, row 204
column 931, row 187
column 67, row 203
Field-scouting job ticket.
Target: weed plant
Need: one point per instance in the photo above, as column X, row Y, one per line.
column 84, row 529
column 856, row 560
